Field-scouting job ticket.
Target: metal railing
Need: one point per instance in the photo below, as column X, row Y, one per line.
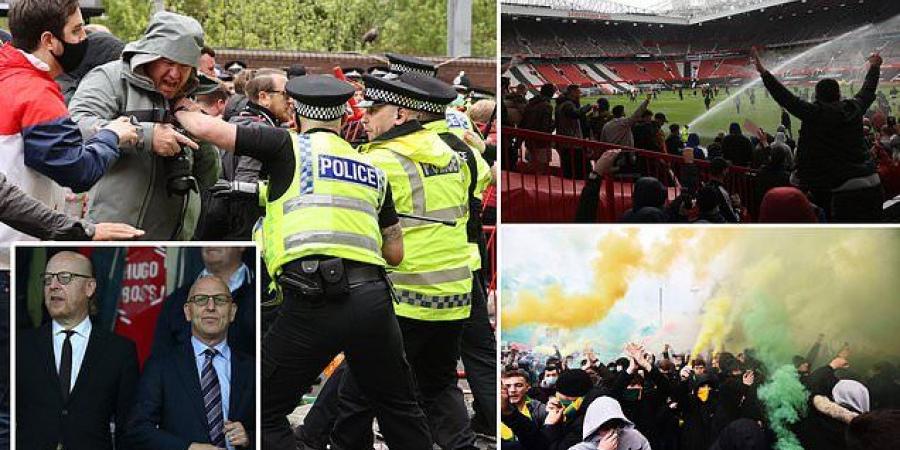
column 549, row 193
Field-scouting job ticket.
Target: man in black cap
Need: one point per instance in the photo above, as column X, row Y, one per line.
column 330, row 228
column 434, row 281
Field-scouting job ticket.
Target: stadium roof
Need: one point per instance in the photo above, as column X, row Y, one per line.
column 678, row 12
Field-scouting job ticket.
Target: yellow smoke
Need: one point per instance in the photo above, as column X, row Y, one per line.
column 619, row 257
column 715, row 325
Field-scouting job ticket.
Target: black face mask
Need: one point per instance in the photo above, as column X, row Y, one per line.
column 72, row 55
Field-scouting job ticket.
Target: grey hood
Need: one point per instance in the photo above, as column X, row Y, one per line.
column 851, row 394
column 171, row 36
column 602, row 410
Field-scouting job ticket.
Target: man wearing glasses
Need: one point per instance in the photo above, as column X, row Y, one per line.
column 267, row 106
column 73, row 379
column 200, row 397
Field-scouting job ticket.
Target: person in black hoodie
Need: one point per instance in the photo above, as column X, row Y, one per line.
column 648, row 200
column 742, row 434
column 833, row 160
column 736, row 147
column 698, row 401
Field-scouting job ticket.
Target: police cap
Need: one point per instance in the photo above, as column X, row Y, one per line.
column 320, row 97
column 438, row 94
column 391, row 91
column 353, row 73
column 401, row 64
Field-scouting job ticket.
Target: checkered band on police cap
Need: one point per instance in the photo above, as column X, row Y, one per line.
column 381, row 95
column 403, row 68
column 432, row 107
column 323, row 113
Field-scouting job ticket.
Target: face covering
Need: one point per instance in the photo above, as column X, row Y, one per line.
column 72, row 55
column 565, row 403
column 703, row 393
column 632, row 394
column 548, row 382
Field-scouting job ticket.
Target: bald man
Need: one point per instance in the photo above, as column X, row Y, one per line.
column 200, row 396
column 72, row 378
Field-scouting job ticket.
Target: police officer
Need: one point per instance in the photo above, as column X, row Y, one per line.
column 330, row 227
column 478, row 349
column 434, row 281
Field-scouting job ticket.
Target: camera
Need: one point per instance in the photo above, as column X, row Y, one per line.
column 179, row 173
column 179, row 168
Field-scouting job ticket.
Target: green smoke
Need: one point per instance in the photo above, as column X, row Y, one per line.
column 768, row 330
column 785, row 400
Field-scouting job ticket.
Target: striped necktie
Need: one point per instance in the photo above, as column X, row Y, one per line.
column 212, row 399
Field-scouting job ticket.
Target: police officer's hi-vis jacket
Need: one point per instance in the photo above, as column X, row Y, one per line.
column 331, row 207
column 434, row 281
column 480, row 178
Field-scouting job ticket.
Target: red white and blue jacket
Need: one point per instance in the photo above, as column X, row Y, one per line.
column 41, row 148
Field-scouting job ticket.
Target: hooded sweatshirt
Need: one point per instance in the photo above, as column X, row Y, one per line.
column 736, row 147
column 648, row 200
column 41, row 148
column 134, row 190
column 852, row 395
column 602, row 410
column 786, row 205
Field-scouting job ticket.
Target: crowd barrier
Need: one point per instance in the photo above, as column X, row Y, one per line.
column 549, row 194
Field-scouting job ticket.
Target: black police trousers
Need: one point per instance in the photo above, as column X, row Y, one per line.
column 309, row 332
column 433, row 350
column 479, row 355
column 479, row 358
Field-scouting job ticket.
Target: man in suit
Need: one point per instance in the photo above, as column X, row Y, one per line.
column 200, row 396
column 73, row 378
column 172, row 331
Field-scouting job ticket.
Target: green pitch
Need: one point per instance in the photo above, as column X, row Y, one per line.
column 765, row 113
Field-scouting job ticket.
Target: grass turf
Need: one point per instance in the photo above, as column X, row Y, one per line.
column 765, row 113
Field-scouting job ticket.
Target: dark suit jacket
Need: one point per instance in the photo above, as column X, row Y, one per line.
column 169, row 413
column 103, row 392
column 173, row 331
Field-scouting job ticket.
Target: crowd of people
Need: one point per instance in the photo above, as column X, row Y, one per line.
column 364, row 187
column 841, row 166
column 678, row 401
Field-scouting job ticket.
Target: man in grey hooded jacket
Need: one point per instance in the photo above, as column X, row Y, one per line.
column 607, row 428
column 153, row 72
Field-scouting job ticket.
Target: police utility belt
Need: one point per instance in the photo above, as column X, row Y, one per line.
column 328, row 277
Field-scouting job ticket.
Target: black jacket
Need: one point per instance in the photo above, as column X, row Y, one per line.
column 102, row 393
column 168, row 411
column 737, row 149
column 831, row 147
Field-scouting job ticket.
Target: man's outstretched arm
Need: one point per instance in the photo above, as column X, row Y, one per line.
column 206, row 128
column 781, row 94
column 866, row 94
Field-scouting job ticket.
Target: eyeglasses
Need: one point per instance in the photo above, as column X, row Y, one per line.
column 283, row 93
column 203, row 300
column 64, row 278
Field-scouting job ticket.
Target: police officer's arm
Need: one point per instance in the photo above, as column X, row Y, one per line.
column 391, row 233
column 207, row 128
